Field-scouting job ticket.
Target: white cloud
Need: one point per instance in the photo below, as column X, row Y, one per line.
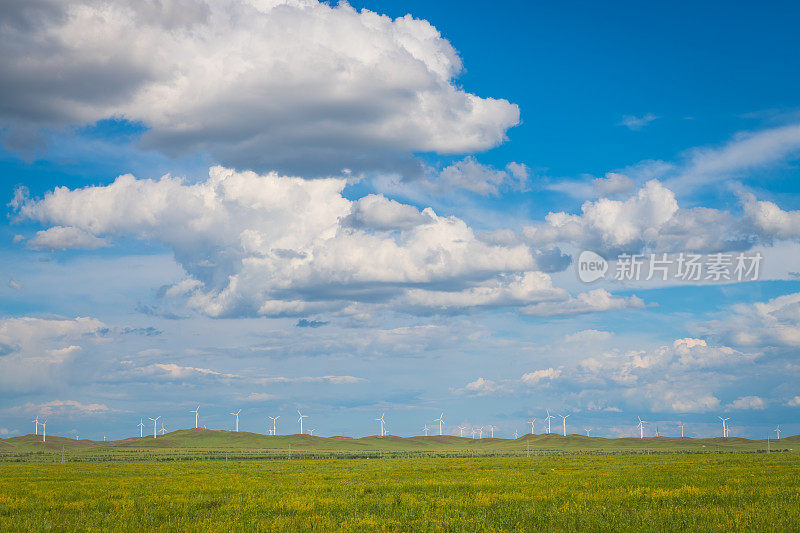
column 770, row 220
column 770, row 324
column 34, row 350
column 5, row 432
column 749, row 402
column 174, row 371
column 594, row 301
column 295, row 84
column 696, row 404
column 480, row 387
column 612, row 184
column 747, row 151
column 634, row 123
column 62, row 408
column 270, row 245
column 65, row 238
column 469, row 174
column 794, row 402
column 260, row 397
column 532, row 378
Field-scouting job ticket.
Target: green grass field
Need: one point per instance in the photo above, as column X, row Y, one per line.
column 220, row 480
column 665, row 492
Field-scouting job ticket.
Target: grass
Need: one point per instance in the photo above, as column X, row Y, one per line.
column 664, row 492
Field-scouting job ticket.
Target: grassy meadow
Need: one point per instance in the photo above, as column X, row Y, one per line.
column 663, row 492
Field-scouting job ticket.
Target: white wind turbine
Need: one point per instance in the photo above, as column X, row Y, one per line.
column 681, row 424
column 382, row 421
column 44, row 430
column 531, row 421
column 196, row 415
column 587, row 430
column 480, row 432
column 461, row 430
column 724, row 425
column 274, row 420
column 36, row 421
column 492, row 428
column 300, row 419
column 162, row 430
column 641, row 427
column 564, row 419
column 155, row 428
column 141, row 428
column 425, row 428
column 549, row 416
column 236, row 414
column 516, row 434
column 473, row 432
column 441, row 421
column 778, row 431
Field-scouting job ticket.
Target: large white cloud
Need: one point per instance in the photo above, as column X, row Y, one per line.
column 294, row 84
column 273, row 246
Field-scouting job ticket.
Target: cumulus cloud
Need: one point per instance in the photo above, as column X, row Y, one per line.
column 532, row 378
column 480, row 387
column 749, row 402
column 61, row 407
column 794, row 402
column 613, row 184
column 65, row 238
column 470, row 175
column 275, row 246
column 652, row 220
column 594, row 301
column 297, row 85
column 771, row 324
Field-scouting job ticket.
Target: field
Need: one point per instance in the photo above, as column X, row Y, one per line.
column 220, row 480
column 664, row 492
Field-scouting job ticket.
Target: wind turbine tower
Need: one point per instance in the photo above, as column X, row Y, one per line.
column 531, row 421
column 564, row 419
column 141, row 428
column 587, row 430
column 724, row 425
column 681, row 429
column 441, row 421
column 236, row 414
column 300, row 419
column 196, row 415
column 778, row 431
column 44, row 430
column 382, row 421
column 36, row 421
column 274, row 426
column 641, row 427
column 155, row 427
column 549, row 416
column 425, row 428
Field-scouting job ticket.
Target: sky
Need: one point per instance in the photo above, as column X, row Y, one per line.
column 386, row 207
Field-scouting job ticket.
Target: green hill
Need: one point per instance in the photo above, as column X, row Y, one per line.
column 187, row 441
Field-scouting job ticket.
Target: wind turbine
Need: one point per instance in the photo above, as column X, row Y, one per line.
column 461, row 430
column 641, row 427
column 425, row 428
column 549, row 416
column 382, row 421
column 44, row 430
column 724, row 426
column 154, row 425
column 473, row 432
column 163, row 429
column 492, row 428
column 36, row 421
column 564, row 419
column 302, row 416
column 141, row 428
column 441, row 421
column 236, row 414
column 778, row 431
column 681, row 424
column 274, row 427
column 531, row 421
column 587, row 430
column 196, row 415
column 516, row 434
column 480, row 432
column 311, row 432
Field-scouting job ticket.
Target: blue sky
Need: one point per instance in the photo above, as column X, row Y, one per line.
column 366, row 214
